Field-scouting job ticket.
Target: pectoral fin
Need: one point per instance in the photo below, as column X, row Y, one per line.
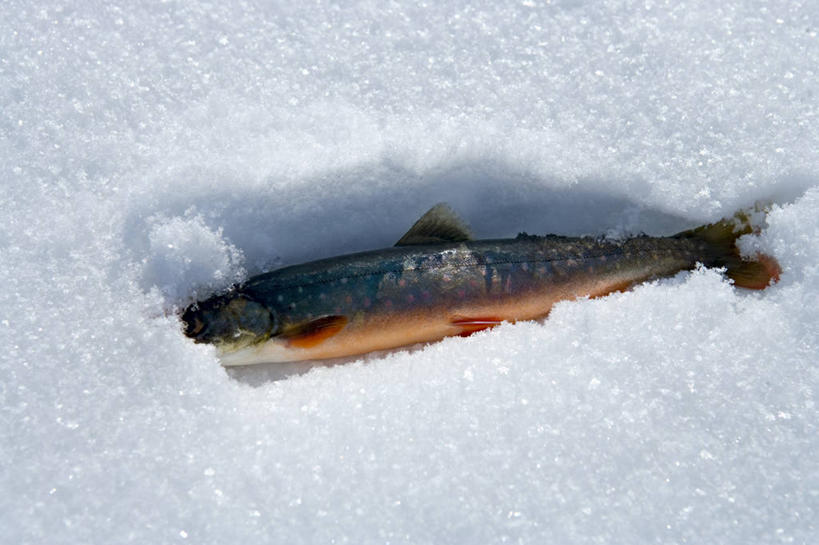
column 314, row 332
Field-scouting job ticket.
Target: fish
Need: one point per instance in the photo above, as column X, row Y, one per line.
column 437, row 282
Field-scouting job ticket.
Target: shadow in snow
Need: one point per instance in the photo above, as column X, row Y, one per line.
column 276, row 223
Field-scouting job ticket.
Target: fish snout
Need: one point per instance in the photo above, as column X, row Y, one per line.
column 231, row 321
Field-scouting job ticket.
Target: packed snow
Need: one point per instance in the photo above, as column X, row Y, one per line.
column 155, row 152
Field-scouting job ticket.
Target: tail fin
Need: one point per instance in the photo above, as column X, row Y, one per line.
column 721, row 238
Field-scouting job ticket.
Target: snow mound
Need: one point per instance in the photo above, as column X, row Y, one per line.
column 153, row 153
column 189, row 260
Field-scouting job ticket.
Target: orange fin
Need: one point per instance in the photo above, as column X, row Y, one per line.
column 469, row 326
column 315, row 332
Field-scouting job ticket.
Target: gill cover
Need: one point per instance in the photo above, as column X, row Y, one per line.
column 229, row 321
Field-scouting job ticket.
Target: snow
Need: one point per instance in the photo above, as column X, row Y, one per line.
column 155, row 152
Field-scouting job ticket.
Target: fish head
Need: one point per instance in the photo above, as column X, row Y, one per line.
column 230, row 321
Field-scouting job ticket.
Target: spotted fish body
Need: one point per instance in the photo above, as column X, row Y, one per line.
column 421, row 292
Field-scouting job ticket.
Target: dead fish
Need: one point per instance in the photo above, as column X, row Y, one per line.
column 438, row 282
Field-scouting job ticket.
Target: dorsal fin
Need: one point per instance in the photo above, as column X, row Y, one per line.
column 439, row 224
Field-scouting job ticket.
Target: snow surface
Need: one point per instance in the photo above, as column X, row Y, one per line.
column 153, row 152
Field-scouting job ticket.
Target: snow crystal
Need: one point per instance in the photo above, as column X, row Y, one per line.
column 156, row 152
column 187, row 259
